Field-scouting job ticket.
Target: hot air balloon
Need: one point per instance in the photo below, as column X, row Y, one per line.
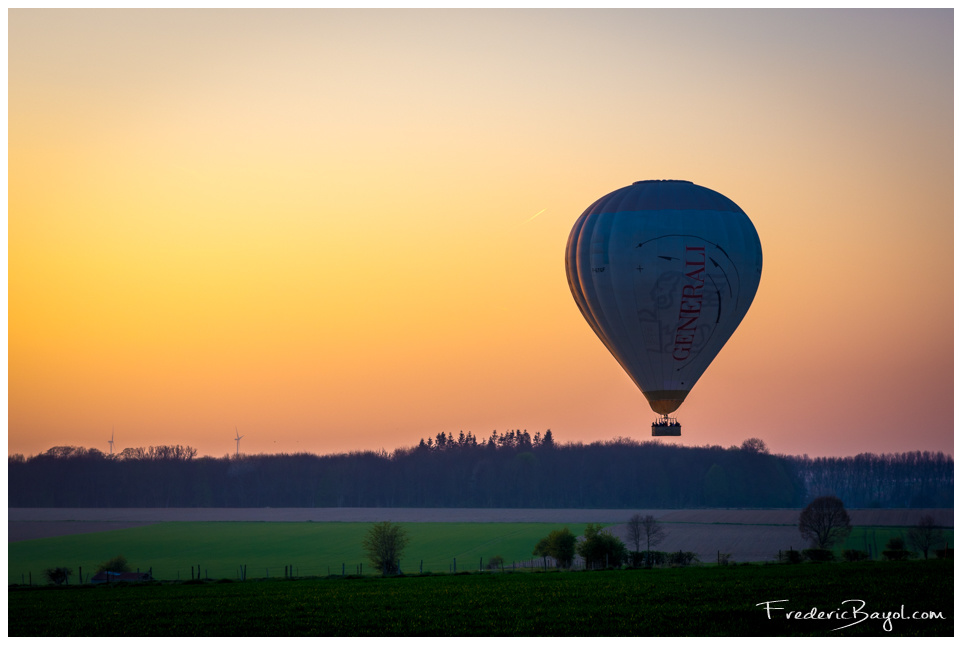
column 663, row 271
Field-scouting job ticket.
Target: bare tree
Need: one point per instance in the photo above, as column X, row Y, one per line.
column 824, row 522
column 636, row 532
column 925, row 535
column 653, row 534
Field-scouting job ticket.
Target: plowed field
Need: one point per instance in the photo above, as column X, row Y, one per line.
column 747, row 534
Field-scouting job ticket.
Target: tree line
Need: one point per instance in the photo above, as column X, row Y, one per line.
column 506, row 470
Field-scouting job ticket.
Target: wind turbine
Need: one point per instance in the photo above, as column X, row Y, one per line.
column 111, row 442
column 239, row 437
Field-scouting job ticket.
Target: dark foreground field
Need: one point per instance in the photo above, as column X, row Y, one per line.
column 868, row 599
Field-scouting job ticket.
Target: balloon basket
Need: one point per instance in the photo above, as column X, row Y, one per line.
column 666, row 427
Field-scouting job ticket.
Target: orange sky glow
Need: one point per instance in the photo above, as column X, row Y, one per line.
column 342, row 230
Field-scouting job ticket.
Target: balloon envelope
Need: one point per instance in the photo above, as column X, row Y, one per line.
column 663, row 271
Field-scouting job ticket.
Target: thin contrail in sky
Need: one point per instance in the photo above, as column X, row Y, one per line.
column 533, row 216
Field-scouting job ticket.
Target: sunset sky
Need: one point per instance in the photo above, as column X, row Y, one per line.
column 342, row 230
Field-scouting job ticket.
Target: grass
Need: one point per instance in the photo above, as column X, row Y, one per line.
column 309, row 548
column 701, row 601
column 872, row 539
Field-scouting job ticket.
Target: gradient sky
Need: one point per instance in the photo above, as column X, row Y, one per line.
column 344, row 230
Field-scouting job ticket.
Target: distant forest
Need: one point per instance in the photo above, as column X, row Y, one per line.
column 507, row 470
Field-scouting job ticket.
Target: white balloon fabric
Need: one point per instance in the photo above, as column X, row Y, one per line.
column 664, row 271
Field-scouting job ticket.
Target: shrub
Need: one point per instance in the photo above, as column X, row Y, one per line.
column 384, row 545
column 117, row 564
column 496, row 562
column 560, row 545
column 896, row 554
column 655, row 558
column 790, row 557
column 601, row 549
column 819, row 555
column 895, row 549
column 647, row 558
column 944, row 553
column 59, row 575
column 854, row 555
column 682, row 558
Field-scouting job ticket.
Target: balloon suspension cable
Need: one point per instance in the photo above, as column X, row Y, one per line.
column 666, row 420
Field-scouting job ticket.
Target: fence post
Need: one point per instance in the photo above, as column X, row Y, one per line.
column 421, row 568
column 455, row 565
column 480, row 562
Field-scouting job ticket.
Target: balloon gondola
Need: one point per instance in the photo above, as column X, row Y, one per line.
column 664, row 271
column 666, row 426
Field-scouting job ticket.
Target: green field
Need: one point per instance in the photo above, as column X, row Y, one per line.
column 872, row 539
column 170, row 549
column 218, row 549
column 698, row 601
